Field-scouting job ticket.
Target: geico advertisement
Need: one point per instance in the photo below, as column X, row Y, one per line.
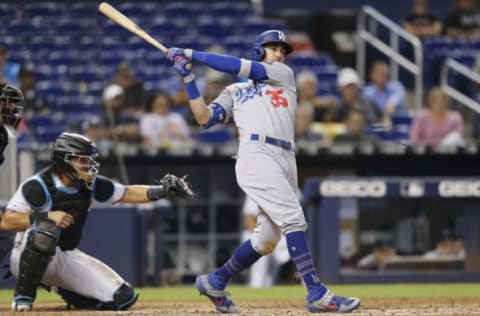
column 408, row 188
column 347, row 188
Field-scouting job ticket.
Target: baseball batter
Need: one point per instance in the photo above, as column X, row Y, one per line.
column 49, row 211
column 264, row 112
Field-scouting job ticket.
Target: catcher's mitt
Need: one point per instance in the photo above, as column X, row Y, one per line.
column 174, row 186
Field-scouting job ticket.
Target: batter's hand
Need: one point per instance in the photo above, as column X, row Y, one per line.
column 61, row 218
column 174, row 52
column 174, row 186
column 183, row 66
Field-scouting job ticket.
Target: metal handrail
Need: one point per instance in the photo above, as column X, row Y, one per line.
column 367, row 33
column 453, row 92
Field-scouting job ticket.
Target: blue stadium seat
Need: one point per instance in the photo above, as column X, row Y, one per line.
column 310, row 59
column 231, row 9
column 62, row 57
column 142, row 11
column 72, row 27
column 48, row 134
column 86, row 73
column 219, row 136
column 211, row 27
column 52, row 9
column 83, row 9
column 183, row 10
column 8, row 10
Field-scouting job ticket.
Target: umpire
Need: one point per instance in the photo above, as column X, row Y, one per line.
column 11, row 101
column 48, row 212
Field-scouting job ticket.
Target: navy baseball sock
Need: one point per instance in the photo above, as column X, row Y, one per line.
column 300, row 253
column 243, row 257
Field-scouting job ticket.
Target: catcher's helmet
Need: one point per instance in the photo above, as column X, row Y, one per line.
column 269, row 37
column 10, row 99
column 75, row 155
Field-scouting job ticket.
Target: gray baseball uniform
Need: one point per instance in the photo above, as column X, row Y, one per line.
column 264, row 113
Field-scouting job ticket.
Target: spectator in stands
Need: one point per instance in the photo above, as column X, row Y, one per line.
column 304, row 131
column 355, row 130
column 307, row 87
column 437, row 125
column 420, row 22
column 388, row 96
column 8, row 70
column 160, row 127
column 464, row 20
column 120, row 124
column 133, row 93
column 383, row 250
column 449, row 246
column 34, row 102
column 95, row 130
column 349, row 84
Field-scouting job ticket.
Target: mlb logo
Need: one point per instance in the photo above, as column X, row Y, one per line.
column 412, row 189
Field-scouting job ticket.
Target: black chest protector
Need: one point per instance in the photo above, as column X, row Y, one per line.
column 76, row 204
column 3, row 142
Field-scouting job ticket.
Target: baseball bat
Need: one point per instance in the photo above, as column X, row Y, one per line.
column 116, row 16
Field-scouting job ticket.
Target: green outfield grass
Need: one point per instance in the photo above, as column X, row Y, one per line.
column 365, row 291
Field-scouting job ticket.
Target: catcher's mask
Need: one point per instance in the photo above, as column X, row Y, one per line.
column 75, row 155
column 11, row 99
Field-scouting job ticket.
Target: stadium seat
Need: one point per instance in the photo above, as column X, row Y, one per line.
column 142, row 11
column 48, row 134
column 44, row 9
column 310, row 59
column 8, row 10
column 183, row 10
column 73, row 28
column 220, row 136
column 82, row 9
column 232, row 9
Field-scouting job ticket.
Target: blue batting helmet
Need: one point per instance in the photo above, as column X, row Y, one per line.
column 267, row 37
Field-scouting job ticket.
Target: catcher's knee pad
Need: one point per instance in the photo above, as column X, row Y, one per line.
column 123, row 299
column 39, row 250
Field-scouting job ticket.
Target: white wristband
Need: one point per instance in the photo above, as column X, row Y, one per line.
column 188, row 53
column 189, row 78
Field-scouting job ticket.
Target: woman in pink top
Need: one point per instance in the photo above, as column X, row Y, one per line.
column 437, row 125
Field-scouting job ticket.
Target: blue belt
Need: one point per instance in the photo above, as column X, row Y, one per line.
column 273, row 141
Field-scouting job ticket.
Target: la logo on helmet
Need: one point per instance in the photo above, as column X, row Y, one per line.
column 281, row 36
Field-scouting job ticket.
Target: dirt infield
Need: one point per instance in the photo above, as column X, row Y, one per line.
column 370, row 307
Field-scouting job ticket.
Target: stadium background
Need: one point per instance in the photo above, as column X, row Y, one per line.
column 74, row 52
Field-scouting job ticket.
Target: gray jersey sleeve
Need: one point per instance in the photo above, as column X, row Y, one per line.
column 279, row 74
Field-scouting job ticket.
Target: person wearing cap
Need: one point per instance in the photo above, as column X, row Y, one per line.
column 120, row 121
column 349, row 84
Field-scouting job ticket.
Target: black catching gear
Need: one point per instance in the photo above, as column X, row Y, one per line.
column 39, row 250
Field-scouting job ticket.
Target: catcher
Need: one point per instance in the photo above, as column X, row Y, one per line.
column 48, row 212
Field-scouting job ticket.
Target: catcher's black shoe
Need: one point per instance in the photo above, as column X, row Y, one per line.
column 218, row 297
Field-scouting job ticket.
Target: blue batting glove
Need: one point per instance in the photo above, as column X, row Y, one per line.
column 183, row 66
column 174, row 52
